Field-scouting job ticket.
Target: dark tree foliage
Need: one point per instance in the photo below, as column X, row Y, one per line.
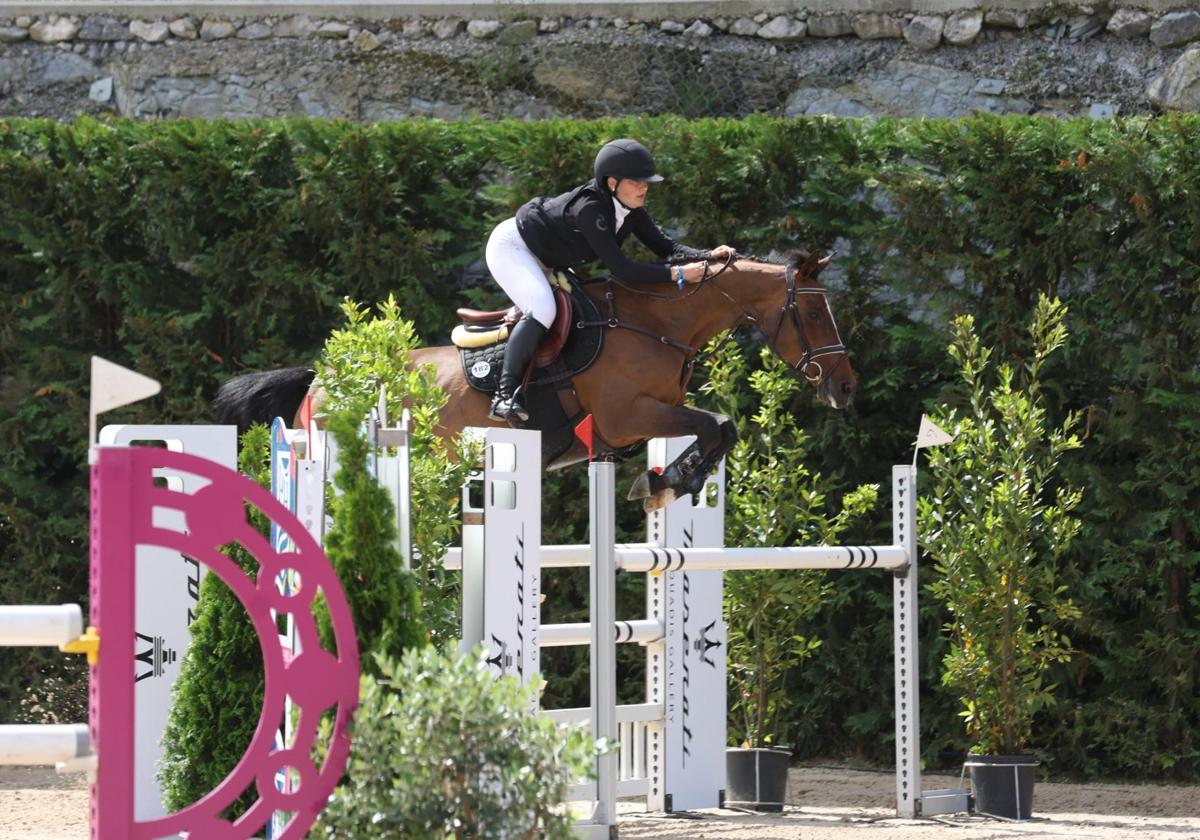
column 195, row 250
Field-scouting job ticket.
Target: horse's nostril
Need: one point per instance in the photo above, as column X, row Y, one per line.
column 847, row 387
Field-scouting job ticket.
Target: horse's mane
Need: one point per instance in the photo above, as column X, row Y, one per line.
column 792, row 259
column 796, row 259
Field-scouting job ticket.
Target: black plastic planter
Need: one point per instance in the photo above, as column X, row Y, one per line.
column 1003, row 785
column 756, row 778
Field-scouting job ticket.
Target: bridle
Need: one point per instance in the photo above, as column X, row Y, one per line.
column 809, row 359
column 811, row 354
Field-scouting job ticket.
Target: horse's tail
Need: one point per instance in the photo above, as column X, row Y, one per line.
column 261, row 397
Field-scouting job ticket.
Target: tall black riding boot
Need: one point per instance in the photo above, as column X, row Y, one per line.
column 509, row 403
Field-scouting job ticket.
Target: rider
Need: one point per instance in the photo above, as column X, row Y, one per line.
column 588, row 223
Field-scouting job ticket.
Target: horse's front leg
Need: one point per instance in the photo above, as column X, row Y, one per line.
column 687, row 473
column 715, row 435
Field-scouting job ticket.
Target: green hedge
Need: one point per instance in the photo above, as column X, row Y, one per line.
column 195, row 250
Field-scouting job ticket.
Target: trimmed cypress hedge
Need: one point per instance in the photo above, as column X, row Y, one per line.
column 195, row 250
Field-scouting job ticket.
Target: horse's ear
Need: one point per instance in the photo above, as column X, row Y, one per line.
column 824, row 261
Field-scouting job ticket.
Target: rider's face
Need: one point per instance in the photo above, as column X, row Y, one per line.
column 629, row 192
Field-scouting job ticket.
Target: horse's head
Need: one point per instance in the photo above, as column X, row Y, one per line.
column 800, row 327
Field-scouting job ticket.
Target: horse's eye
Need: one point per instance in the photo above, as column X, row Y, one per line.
column 815, row 314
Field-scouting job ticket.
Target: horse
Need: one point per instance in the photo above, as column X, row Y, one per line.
column 636, row 388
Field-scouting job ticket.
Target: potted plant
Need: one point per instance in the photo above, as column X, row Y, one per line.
column 997, row 523
column 772, row 499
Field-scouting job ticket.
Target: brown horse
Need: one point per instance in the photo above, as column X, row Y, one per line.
column 636, row 388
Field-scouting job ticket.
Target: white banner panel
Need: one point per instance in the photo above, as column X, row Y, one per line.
column 512, row 509
column 686, row 671
column 167, row 588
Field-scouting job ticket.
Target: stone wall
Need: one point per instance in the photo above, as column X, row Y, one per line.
column 1064, row 61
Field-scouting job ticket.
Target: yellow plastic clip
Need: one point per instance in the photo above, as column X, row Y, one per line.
column 88, row 643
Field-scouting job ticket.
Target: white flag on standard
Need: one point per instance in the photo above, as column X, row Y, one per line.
column 931, row 434
column 114, row 386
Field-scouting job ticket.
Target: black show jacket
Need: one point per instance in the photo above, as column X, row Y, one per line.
column 577, row 227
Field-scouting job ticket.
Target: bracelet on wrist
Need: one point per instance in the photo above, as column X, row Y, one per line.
column 679, row 281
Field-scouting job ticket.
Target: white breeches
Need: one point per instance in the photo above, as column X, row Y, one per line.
column 519, row 273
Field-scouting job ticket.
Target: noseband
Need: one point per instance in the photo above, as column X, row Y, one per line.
column 811, row 354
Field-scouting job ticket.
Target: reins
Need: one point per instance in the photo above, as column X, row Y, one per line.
column 692, row 355
column 614, row 322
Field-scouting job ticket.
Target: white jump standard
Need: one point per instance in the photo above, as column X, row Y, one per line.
column 672, row 746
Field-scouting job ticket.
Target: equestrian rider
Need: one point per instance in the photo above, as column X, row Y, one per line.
column 588, row 223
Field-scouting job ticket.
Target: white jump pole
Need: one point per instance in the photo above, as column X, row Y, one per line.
column 43, row 744
column 758, row 557
column 639, row 631
column 40, row 626
column 644, row 557
column 603, row 614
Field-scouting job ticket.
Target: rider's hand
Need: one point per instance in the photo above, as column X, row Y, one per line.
column 694, row 272
column 722, row 252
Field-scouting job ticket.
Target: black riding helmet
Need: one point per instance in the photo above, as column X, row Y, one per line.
column 623, row 159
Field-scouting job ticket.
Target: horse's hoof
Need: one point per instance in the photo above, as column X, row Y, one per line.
column 645, row 485
column 659, row 500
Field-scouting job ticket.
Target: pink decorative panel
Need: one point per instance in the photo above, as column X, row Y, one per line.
column 123, row 502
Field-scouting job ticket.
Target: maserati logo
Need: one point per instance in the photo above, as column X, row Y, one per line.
column 705, row 644
column 503, row 659
column 154, row 655
column 481, row 369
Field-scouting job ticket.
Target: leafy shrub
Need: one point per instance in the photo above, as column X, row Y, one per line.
column 998, row 523
column 441, row 748
column 360, row 358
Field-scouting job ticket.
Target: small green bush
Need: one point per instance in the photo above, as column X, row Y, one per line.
column 442, row 748
column 373, row 351
column 999, row 523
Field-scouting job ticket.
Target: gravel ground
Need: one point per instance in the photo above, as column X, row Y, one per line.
column 827, row 804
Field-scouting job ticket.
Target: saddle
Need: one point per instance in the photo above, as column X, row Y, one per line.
column 483, row 329
column 567, row 350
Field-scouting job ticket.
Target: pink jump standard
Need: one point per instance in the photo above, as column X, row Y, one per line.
column 124, row 502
